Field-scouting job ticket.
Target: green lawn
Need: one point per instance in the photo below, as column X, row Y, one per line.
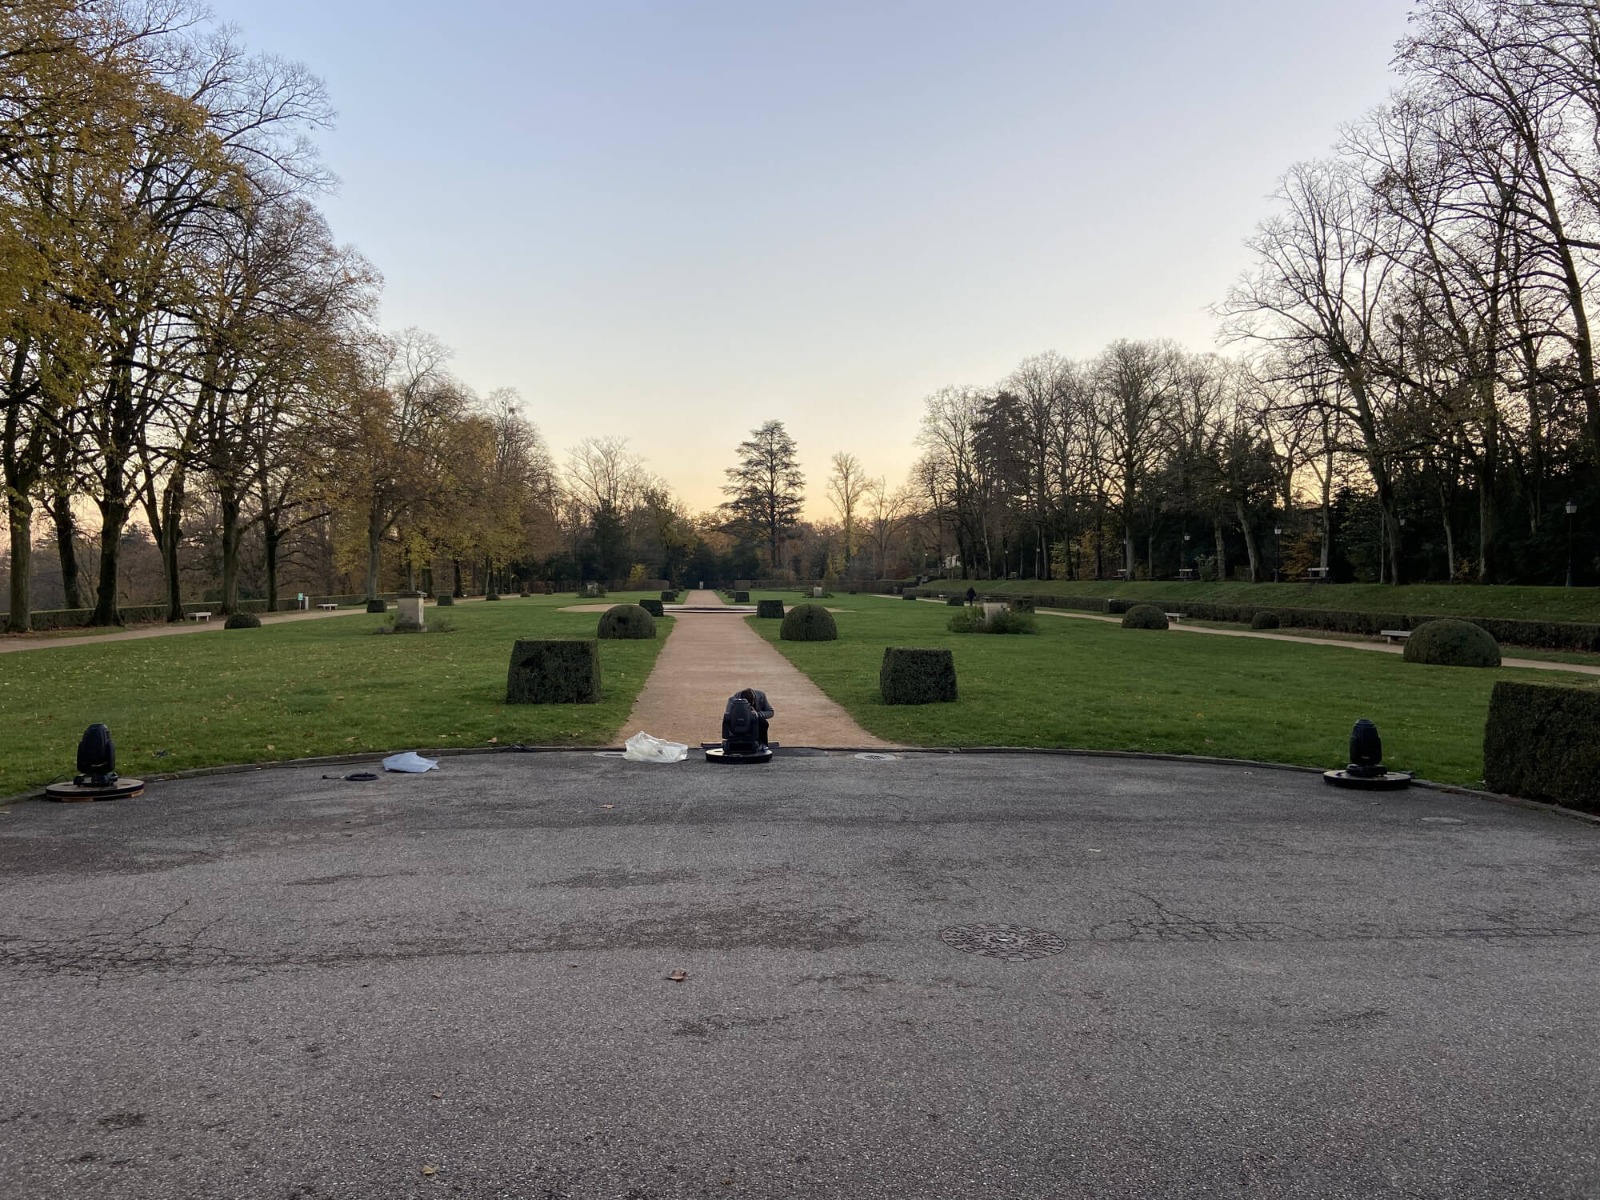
column 289, row 690
column 1458, row 600
column 1093, row 685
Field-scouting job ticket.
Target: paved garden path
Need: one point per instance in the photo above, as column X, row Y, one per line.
column 707, row 658
column 12, row 642
column 1383, row 648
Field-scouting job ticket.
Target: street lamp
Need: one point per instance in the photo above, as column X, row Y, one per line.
column 1277, row 552
column 1183, row 563
column 1572, row 509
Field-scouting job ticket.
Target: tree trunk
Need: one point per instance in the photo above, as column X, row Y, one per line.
column 19, row 516
column 168, row 534
column 1252, row 552
column 270, row 537
column 67, row 549
column 1128, row 548
column 374, row 553
column 456, row 591
column 113, row 518
column 231, row 536
column 1222, row 550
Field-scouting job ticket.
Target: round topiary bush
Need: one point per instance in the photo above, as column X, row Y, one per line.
column 808, row 623
column 1452, row 643
column 1144, row 616
column 627, row 621
column 242, row 620
column 1265, row 620
column 492, row 596
column 377, row 606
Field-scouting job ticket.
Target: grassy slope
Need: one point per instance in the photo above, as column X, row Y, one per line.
column 304, row 688
column 1093, row 685
column 1459, row 600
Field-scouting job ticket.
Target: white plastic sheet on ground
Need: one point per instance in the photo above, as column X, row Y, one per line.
column 410, row 762
column 641, row 747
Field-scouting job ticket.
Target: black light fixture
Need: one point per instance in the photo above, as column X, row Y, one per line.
column 1365, row 768
column 97, row 777
column 1572, row 511
column 744, row 730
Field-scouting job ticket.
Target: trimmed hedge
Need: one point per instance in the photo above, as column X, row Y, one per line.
column 627, row 622
column 975, row 620
column 769, row 608
column 1264, row 618
column 554, row 672
column 809, row 623
column 445, row 601
column 954, row 602
column 653, row 607
column 668, row 596
column 741, row 597
column 1144, row 616
column 1451, row 643
column 1542, row 741
column 377, row 606
column 242, row 620
column 915, row 676
column 909, row 596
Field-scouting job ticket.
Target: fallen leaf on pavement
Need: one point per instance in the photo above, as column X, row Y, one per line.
column 430, row 1170
column 678, row 976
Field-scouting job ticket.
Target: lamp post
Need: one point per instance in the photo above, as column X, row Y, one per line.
column 1184, row 561
column 1277, row 552
column 1572, row 509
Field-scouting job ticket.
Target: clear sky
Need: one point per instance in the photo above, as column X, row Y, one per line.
column 676, row 220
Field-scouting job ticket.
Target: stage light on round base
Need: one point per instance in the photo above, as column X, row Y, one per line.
column 97, row 777
column 1366, row 771
column 744, row 731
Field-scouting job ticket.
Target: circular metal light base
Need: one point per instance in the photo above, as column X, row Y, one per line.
column 718, row 755
column 1389, row 781
column 122, row 789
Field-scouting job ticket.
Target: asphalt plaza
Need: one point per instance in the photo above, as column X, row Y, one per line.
column 460, row 984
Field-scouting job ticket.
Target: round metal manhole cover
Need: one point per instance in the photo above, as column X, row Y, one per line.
column 610, row 754
column 1009, row 943
column 871, row 756
column 1443, row 821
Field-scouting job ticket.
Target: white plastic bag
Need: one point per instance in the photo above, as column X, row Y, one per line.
column 641, row 747
column 410, row 762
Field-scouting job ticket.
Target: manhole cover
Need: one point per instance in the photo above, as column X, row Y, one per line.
column 1011, row 943
column 1443, row 821
column 869, row 756
column 610, row 754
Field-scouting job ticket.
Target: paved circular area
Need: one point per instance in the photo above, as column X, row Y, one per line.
column 570, row 976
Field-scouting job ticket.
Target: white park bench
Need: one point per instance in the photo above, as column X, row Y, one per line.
column 1174, row 617
column 328, row 607
column 1395, row 635
column 199, row 616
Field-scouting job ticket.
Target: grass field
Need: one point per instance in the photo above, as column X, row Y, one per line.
column 1438, row 599
column 1093, row 685
column 290, row 690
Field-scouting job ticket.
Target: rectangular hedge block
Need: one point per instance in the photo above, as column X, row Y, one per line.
column 769, row 608
column 740, row 596
column 653, row 607
column 1542, row 742
column 912, row 676
column 554, row 672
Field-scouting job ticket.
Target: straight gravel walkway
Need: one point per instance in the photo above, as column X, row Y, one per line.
column 11, row 643
column 708, row 657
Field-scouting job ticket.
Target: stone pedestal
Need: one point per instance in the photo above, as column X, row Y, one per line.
column 409, row 611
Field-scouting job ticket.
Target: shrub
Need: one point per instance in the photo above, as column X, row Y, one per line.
column 1448, row 642
column 591, row 589
column 955, row 602
column 554, row 672
column 912, row 676
column 627, row 621
column 1144, row 616
column 1265, row 619
column 446, row 600
column 492, row 596
column 653, row 607
column 242, row 620
column 908, row 596
column 669, row 597
column 377, row 606
column 741, row 597
column 1021, row 604
column 973, row 620
column 769, row 608
column 808, row 623
column 1543, row 742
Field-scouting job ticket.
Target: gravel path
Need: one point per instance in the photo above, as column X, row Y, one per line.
column 707, row 658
